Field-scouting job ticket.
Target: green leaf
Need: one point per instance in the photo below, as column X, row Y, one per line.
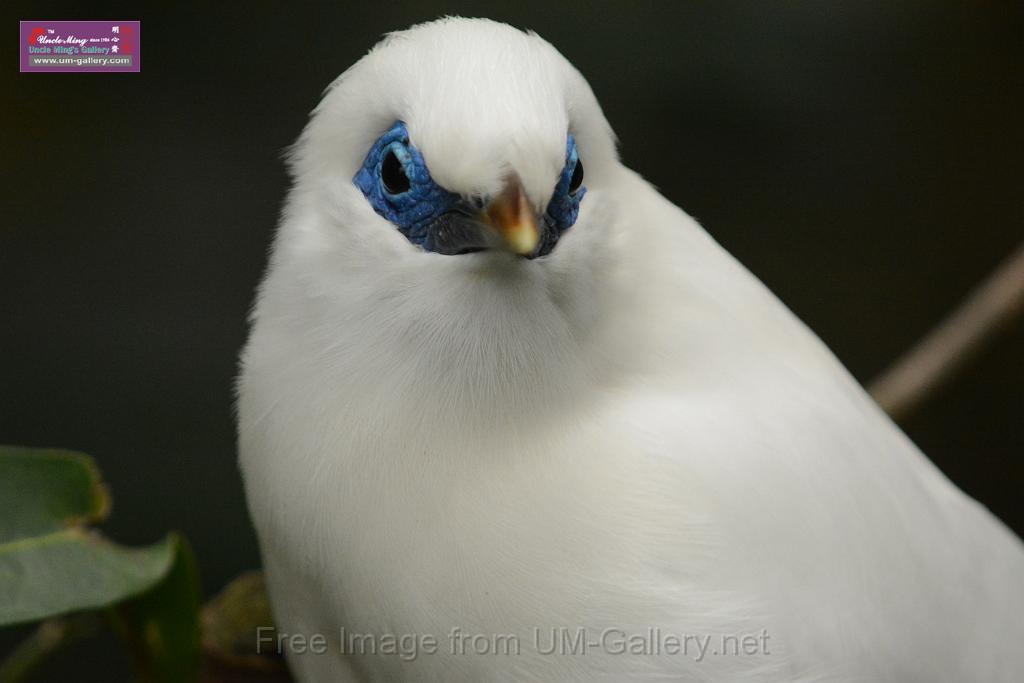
column 47, row 490
column 50, row 563
column 161, row 626
column 73, row 570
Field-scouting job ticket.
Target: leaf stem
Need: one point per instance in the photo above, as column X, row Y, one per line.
column 49, row 637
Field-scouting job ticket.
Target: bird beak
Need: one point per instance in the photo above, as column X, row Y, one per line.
column 509, row 214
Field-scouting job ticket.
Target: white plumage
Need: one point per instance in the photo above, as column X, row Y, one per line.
column 626, row 435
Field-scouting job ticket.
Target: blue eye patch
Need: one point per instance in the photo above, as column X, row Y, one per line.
column 395, row 181
column 564, row 207
column 412, row 201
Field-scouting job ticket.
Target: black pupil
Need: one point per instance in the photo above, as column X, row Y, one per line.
column 577, row 177
column 393, row 175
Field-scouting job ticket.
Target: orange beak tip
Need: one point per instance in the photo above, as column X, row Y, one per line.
column 511, row 216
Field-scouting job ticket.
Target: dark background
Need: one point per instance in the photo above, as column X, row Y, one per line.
column 864, row 159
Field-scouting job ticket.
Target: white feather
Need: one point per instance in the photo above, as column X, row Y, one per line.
column 631, row 433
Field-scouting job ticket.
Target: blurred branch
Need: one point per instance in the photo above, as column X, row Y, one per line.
column 49, row 637
column 990, row 308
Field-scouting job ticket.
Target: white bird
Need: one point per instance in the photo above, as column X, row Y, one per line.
column 506, row 418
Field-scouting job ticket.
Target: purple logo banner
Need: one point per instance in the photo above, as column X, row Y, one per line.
column 105, row 46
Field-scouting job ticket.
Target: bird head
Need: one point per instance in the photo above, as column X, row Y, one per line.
column 450, row 205
column 453, row 138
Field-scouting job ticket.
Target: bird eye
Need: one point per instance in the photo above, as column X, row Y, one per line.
column 393, row 175
column 577, row 178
